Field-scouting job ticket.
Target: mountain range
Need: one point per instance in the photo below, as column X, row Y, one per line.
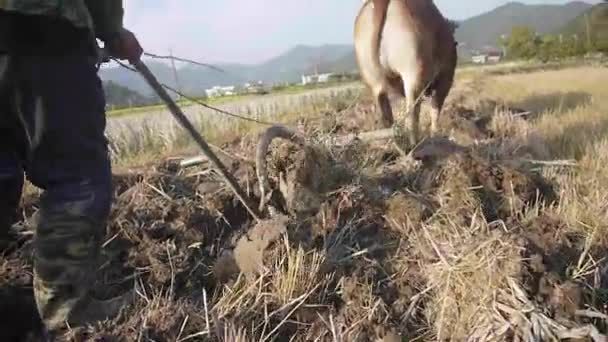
column 287, row 67
column 473, row 33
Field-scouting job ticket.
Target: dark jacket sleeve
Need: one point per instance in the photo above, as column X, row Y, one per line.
column 107, row 17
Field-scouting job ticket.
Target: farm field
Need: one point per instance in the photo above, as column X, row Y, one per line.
column 504, row 240
column 156, row 129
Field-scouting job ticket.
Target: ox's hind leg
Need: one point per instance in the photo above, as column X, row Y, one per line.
column 413, row 92
column 385, row 108
column 441, row 91
column 394, row 83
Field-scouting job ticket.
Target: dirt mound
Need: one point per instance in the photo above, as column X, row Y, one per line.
column 552, row 253
column 298, row 175
column 500, row 190
column 465, row 125
column 249, row 250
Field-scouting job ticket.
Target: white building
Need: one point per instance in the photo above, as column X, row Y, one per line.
column 254, row 87
column 480, row 59
column 307, row 79
column 317, row 78
column 220, row 91
column 486, row 57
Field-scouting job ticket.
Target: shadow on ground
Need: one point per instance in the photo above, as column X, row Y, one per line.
column 557, row 102
column 574, row 140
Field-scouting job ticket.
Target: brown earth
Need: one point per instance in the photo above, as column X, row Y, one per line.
column 364, row 263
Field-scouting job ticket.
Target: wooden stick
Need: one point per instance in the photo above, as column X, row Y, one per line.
column 517, row 115
column 183, row 120
column 552, row 162
column 194, row 161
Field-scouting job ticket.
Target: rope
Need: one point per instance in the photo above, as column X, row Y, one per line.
column 191, row 61
column 221, row 111
column 185, row 60
column 201, row 103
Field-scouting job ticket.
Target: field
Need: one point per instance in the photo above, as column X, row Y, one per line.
column 501, row 237
column 154, row 130
column 183, row 102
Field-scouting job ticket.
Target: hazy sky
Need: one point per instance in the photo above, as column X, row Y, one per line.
column 250, row 31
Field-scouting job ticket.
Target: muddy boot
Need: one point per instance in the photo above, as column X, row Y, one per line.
column 65, row 260
column 11, row 183
column 87, row 312
column 5, row 243
column 8, row 242
column 91, row 311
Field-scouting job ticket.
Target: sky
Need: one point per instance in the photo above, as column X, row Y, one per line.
column 251, row 31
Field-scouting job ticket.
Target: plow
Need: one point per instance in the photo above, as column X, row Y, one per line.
column 287, row 185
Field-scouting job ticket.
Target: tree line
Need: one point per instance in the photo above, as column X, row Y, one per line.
column 524, row 43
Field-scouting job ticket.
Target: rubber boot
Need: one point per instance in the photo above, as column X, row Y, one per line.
column 65, row 264
column 10, row 193
column 8, row 242
column 5, row 241
column 90, row 310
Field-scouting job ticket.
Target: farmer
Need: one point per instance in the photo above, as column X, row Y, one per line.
column 52, row 122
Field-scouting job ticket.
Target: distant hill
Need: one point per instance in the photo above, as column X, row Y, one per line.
column 120, row 96
column 287, row 67
column 347, row 63
column 594, row 22
column 485, row 29
column 300, row 60
column 134, row 81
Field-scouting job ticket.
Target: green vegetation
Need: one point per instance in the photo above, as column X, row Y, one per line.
column 118, row 96
column 276, row 90
column 592, row 27
column 182, row 102
column 586, row 34
column 483, row 30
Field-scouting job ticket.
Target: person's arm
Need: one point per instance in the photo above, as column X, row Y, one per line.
column 107, row 17
column 108, row 20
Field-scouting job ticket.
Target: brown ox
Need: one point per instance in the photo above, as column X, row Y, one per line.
column 408, row 47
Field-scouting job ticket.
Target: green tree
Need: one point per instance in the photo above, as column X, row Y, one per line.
column 522, row 43
column 600, row 28
column 548, row 48
column 118, row 96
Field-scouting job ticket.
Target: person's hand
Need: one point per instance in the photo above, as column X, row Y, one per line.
column 125, row 46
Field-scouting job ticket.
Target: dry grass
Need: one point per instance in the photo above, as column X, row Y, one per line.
column 140, row 138
column 500, row 243
column 572, row 104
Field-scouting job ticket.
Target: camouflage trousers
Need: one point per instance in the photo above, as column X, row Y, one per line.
column 52, row 122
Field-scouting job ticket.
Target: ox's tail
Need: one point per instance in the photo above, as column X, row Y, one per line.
column 379, row 19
